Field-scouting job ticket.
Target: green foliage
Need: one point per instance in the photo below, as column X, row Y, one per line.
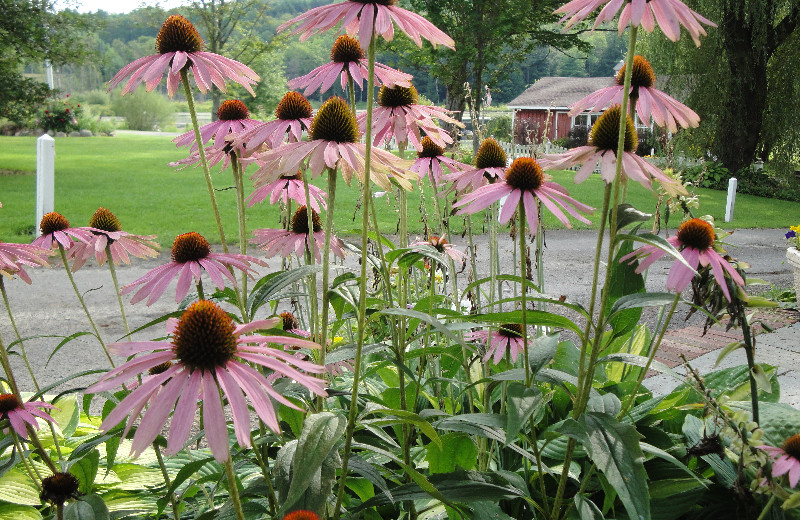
column 143, row 110
column 20, row 97
column 61, row 115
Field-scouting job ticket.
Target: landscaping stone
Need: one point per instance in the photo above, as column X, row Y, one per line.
column 61, row 134
column 86, row 133
column 75, row 134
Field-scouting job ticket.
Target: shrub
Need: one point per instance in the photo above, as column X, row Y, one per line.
column 499, row 128
column 578, row 136
column 648, row 143
column 709, row 175
column 143, row 110
column 60, row 115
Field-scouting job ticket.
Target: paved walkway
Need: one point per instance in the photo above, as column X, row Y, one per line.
column 780, row 348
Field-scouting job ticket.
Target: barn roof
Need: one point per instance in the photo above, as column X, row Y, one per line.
column 558, row 92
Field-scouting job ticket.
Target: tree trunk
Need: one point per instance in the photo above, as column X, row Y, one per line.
column 216, row 100
column 455, row 101
column 740, row 128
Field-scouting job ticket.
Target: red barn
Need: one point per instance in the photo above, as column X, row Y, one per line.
column 544, row 106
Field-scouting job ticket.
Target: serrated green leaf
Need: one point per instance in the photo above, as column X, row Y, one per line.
column 89, row 507
column 522, row 403
column 85, row 470
column 587, row 509
column 624, row 281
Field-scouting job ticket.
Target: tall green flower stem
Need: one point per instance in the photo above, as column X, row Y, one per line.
column 203, row 162
column 493, row 256
column 238, row 173
column 586, row 367
column 523, row 270
column 366, row 197
column 311, row 247
column 749, row 350
column 16, row 332
column 112, row 268
column 472, row 254
column 30, row 469
column 172, row 498
column 326, row 269
column 12, row 383
column 83, row 304
column 200, row 294
column 233, row 489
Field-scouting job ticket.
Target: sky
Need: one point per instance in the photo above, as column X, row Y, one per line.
column 114, row 6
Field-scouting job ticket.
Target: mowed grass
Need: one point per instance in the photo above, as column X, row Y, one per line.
column 129, row 174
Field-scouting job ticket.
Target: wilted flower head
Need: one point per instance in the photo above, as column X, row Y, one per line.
column 13, row 258
column 179, row 46
column 59, row 487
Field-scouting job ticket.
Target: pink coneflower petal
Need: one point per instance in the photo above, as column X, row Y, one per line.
column 14, row 256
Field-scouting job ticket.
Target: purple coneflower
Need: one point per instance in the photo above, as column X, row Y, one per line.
column 191, row 255
column 291, row 324
column 524, row 180
column 232, row 118
column 283, row 242
column 441, row 245
column 786, row 459
column 334, row 143
column 490, row 164
column 179, row 45
column 14, row 256
column 602, row 148
column 430, row 159
column 361, row 18
column 292, row 116
column 670, row 15
column 507, row 338
column 107, row 231
column 398, row 115
column 56, row 231
column 289, row 187
column 695, row 241
column 348, row 60
column 210, row 357
column 20, row 414
column 649, row 101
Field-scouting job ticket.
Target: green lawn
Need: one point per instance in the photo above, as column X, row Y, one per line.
column 129, row 175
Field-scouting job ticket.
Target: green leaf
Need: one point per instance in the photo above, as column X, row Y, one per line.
column 267, row 288
column 534, row 318
column 627, row 214
column 422, row 316
column 614, row 448
column 89, row 507
column 522, row 402
column 368, row 471
column 15, row 512
column 636, row 301
column 541, row 352
column 489, row 510
column 321, row 432
column 66, row 414
column 63, row 342
column 673, row 498
column 410, row 418
column 85, row 470
column 636, row 343
column 658, row 452
column 134, row 477
column 624, row 281
column 778, row 421
column 17, row 488
column 761, row 378
column 659, row 242
column 587, row 509
column 457, row 450
column 459, row 486
column 730, row 347
column 189, row 469
column 641, row 361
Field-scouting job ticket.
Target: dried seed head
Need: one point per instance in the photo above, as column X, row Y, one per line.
column 190, row 246
column 642, row 75
column 605, row 131
column 203, row 338
column 293, row 105
column 289, row 321
column 397, row 96
column 430, row 149
column 300, row 221
column 346, row 49
column 59, row 487
column 525, row 174
column 105, row 220
column 335, row 122
column 697, row 234
column 232, row 110
column 53, row 222
column 178, row 34
column 490, row 155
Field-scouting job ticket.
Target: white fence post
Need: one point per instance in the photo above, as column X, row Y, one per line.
column 732, row 184
column 45, row 176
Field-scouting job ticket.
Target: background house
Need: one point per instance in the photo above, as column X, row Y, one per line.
column 544, row 105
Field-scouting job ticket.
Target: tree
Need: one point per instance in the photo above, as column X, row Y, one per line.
column 31, row 30
column 229, row 29
column 742, row 80
column 491, row 38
